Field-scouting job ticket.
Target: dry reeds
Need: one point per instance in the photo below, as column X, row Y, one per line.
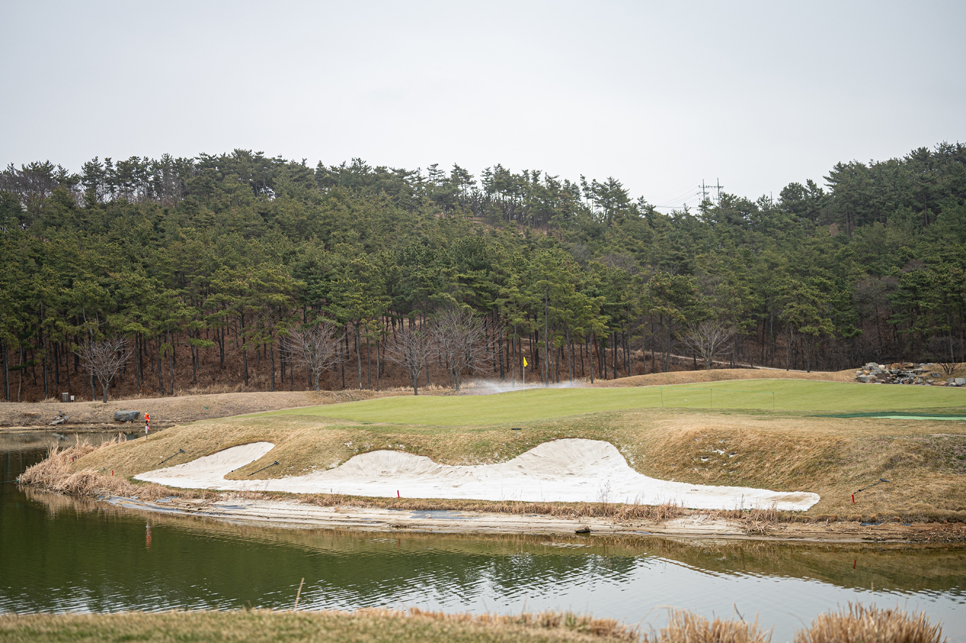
column 861, row 624
column 606, row 628
column 56, row 474
column 687, row 627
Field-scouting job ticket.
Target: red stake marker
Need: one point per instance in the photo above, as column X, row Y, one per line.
column 397, row 494
column 853, row 498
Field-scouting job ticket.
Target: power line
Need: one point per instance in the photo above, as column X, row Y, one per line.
column 678, row 196
column 704, row 190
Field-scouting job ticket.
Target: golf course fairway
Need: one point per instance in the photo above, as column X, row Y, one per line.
column 543, row 404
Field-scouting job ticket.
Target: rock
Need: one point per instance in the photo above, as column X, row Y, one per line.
column 960, row 381
column 127, row 416
column 907, row 373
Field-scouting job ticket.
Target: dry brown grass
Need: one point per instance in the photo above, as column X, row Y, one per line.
column 858, row 624
column 615, row 511
column 605, row 628
column 56, row 473
column 725, row 374
column 370, row 625
column 687, row 627
column 861, row 624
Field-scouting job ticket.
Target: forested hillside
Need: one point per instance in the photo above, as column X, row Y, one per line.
column 205, row 266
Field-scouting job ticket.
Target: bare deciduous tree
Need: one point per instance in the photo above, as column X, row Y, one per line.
column 313, row 347
column 708, row 339
column 411, row 349
column 104, row 360
column 460, row 342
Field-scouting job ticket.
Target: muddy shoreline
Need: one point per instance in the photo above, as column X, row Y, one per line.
column 293, row 514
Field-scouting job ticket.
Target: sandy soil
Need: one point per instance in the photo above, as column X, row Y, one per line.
column 568, row 470
column 166, row 411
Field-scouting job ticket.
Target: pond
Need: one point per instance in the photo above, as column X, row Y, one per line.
column 59, row 554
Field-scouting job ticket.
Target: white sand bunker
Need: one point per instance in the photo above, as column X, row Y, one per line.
column 572, row 470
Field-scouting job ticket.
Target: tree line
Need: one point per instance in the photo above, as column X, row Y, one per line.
column 216, row 264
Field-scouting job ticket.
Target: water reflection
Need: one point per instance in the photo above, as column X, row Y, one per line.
column 63, row 554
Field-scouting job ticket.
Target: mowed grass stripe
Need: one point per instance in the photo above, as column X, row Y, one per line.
column 544, row 404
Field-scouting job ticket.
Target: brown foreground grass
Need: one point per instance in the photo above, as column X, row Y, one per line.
column 859, row 624
column 371, row 625
column 687, row 627
column 862, row 624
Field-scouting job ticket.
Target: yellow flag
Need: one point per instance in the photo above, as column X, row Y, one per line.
column 524, row 362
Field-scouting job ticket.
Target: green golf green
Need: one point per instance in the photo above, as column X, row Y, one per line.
column 544, row 404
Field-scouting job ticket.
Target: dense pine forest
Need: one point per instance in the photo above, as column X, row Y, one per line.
column 200, row 273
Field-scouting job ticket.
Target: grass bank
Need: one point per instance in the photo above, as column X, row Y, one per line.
column 371, row 625
column 858, row 623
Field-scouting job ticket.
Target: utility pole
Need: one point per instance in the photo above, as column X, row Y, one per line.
column 704, row 190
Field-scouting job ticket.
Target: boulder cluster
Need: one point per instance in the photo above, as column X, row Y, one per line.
column 908, row 373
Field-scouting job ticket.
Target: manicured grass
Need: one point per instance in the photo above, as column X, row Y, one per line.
column 544, row 404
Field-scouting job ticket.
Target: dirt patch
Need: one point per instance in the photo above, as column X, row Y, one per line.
column 166, row 411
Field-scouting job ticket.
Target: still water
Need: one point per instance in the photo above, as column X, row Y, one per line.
column 59, row 554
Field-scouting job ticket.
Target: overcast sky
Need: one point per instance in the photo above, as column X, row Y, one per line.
column 659, row 95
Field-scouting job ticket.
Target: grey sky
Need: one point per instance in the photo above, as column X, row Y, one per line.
column 657, row 95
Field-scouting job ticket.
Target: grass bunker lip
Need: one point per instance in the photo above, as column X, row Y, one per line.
column 564, row 470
